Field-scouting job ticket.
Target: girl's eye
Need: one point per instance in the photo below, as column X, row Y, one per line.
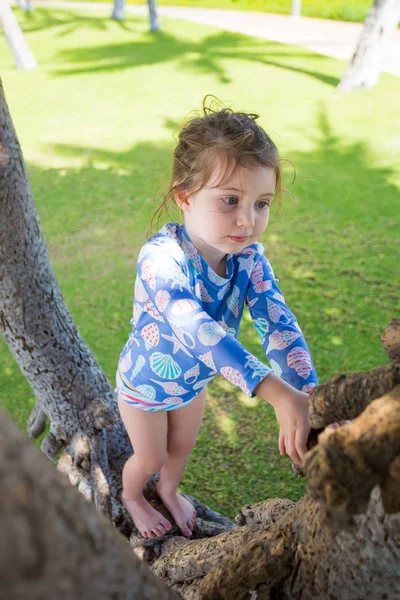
column 231, row 200
column 263, row 204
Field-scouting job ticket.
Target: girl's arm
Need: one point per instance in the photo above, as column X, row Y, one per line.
column 278, row 329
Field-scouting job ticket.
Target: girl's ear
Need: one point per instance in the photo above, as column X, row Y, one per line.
column 181, row 197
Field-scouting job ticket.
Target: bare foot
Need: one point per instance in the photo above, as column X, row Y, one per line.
column 183, row 512
column 149, row 522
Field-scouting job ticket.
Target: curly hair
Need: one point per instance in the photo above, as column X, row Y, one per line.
column 232, row 137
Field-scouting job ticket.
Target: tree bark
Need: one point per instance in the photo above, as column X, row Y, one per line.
column 154, row 20
column 53, row 544
column 22, row 55
column 364, row 68
column 118, row 12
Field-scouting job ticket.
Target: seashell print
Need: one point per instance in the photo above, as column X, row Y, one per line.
column 144, row 250
column 162, row 299
column 208, row 360
column 140, row 362
column 202, row 383
column 257, row 274
column 210, row 333
column 258, row 368
column 249, row 251
column 246, row 264
column 137, row 311
column 125, row 363
column 148, row 272
column 275, row 312
column 140, row 292
column 278, row 340
column 233, row 301
column 171, row 387
column 262, row 328
column 251, row 303
column 151, row 309
column 151, row 335
column 182, row 335
column 299, row 360
column 201, row 315
column 275, row 367
column 146, row 390
column 178, row 279
column 226, row 327
column 234, row 376
column 172, row 400
column 202, row 293
column 308, row 387
column 164, row 366
column 223, row 291
column 192, row 374
column 215, row 278
column 262, row 286
column 279, row 297
column 185, row 305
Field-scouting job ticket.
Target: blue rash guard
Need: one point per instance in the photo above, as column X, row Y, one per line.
column 186, row 320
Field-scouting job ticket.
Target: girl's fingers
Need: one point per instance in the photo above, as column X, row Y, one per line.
column 301, row 437
column 291, row 450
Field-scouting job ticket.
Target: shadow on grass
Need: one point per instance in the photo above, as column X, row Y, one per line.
column 93, row 219
column 206, row 56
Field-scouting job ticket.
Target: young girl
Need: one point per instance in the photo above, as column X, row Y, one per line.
column 192, row 282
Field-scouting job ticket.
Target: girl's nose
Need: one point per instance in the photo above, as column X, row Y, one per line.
column 246, row 218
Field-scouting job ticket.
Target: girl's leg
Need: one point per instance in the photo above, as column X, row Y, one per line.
column 183, row 426
column 148, row 435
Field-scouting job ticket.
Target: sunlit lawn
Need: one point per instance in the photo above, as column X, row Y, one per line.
column 97, row 125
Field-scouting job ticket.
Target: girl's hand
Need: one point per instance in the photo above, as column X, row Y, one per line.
column 292, row 416
column 291, row 410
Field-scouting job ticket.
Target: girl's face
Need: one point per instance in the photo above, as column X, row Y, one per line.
column 224, row 220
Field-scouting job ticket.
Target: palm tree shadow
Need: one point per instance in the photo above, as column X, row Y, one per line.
column 201, row 57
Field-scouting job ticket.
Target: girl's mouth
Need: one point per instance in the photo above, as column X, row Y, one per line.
column 239, row 239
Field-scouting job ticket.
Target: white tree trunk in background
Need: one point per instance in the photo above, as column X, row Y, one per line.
column 364, row 69
column 118, row 12
column 22, row 55
column 25, row 5
column 154, row 21
column 296, row 8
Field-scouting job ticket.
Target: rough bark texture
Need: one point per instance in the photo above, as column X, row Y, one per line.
column 342, row 540
column 22, row 55
column 154, row 20
column 118, row 12
column 364, row 68
column 54, row 544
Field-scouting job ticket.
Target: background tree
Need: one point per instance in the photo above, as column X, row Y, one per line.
column 22, row 55
column 25, row 5
column 364, row 68
column 350, row 515
column 118, row 12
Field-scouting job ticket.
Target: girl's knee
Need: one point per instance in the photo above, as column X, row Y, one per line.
column 149, row 464
column 180, row 447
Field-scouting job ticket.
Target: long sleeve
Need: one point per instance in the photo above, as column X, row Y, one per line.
column 178, row 331
column 277, row 327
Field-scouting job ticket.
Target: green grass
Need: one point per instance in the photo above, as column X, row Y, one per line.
column 96, row 124
column 341, row 10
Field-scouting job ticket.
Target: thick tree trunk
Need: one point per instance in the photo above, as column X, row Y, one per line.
column 154, row 20
column 348, row 517
column 118, row 12
column 53, row 544
column 364, row 68
column 22, row 55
